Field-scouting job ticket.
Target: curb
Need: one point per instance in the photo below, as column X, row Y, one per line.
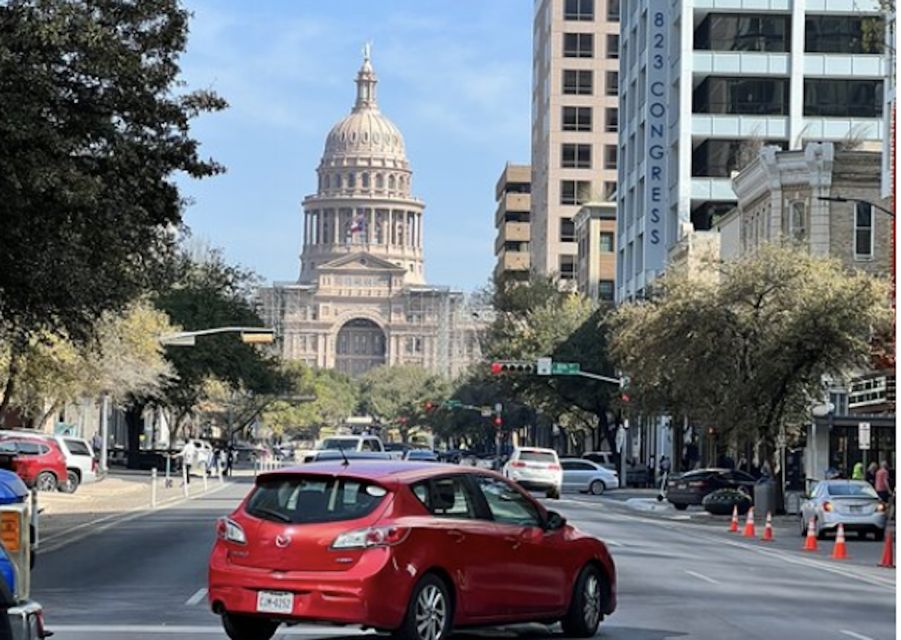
column 65, row 538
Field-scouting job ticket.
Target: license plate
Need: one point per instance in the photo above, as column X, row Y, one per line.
column 856, row 509
column 275, row 602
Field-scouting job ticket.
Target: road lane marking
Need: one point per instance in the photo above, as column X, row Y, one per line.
column 701, row 576
column 196, row 598
column 859, row 636
column 182, row 630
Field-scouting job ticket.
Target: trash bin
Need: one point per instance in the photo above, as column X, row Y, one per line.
column 793, row 502
column 765, row 497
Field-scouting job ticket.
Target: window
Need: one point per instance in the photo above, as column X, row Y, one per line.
column 364, row 178
column 606, row 242
column 577, row 118
column 612, row 83
column 516, row 216
column 609, row 191
column 743, row 96
column 507, row 505
column 843, row 98
column 516, row 245
column 577, row 82
column 611, row 119
column 842, row 34
column 612, row 45
column 605, row 289
column 77, row 447
column 567, row 267
column 610, row 156
column 351, row 181
column 797, row 220
column 581, row 10
column 578, row 45
column 574, row 191
column 736, row 32
column 575, row 156
column 446, row 497
column 303, row 499
column 613, row 10
column 567, row 230
column 28, row 448
column 863, row 230
column 379, row 181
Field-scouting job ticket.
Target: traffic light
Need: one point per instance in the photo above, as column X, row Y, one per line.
column 498, row 422
column 512, row 366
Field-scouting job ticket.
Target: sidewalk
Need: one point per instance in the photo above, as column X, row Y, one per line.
column 118, row 493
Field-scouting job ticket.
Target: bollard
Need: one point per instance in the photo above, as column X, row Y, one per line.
column 205, row 474
column 184, row 479
column 219, row 472
column 153, row 488
column 255, row 463
column 168, row 484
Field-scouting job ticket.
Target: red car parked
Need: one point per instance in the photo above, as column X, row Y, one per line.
column 38, row 461
column 412, row 548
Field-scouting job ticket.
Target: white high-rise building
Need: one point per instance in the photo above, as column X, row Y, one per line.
column 705, row 83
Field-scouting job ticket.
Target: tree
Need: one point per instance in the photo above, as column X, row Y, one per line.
column 748, row 354
column 92, row 131
column 123, row 358
column 398, row 395
column 206, row 294
column 334, row 400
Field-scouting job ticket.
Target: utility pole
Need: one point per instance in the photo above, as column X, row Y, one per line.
column 104, row 434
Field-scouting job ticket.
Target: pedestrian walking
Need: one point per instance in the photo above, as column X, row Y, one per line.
column 188, row 454
column 857, row 471
column 871, row 473
column 97, row 443
column 229, row 460
column 882, row 482
column 664, row 469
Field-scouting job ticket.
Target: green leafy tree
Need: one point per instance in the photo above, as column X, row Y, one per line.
column 333, row 399
column 747, row 353
column 398, row 395
column 93, row 129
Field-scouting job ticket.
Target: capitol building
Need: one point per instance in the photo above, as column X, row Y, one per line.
column 362, row 300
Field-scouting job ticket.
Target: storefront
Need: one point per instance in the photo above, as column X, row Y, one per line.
column 832, row 443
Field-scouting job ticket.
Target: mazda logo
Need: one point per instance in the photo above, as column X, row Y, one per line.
column 282, row 541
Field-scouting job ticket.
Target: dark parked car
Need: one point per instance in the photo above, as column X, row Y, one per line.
column 692, row 487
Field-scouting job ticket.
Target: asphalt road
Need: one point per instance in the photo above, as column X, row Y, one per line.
column 144, row 579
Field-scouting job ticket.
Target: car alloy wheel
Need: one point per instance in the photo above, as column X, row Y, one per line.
column 72, row 482
column 591, row 609
column 596, row 487
column 431, row 613
column 46, row 481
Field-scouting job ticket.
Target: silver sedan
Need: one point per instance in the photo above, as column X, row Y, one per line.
column 853, row 503
column 587, row 476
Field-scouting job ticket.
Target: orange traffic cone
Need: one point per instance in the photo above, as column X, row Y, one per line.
column 768, row 529
column 733, row 526
column 749, row 525
column 888, row 554
column 810, row 544
column 839, row 551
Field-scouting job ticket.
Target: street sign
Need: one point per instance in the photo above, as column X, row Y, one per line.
column 565, row 368
column 452, row 404
column 486, row 412
column 863, row 435
column 544, row 366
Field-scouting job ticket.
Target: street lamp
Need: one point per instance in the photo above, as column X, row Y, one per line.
column 249, row 335
column 888, row 212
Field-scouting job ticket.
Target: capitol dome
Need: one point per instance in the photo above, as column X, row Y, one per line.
column 365, row 136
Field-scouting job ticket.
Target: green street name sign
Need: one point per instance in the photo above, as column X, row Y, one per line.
column 565, row 368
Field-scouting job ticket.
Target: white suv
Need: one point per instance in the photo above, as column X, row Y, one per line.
column 536, row 469
column 351, row 443
column 80, row 462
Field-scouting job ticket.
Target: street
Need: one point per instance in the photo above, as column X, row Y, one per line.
column 145, row 579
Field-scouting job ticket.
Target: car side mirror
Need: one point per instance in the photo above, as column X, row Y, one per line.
column 554, row 521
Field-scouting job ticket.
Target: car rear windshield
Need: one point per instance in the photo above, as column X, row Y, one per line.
column 861, row 490
column 77, row 447
column 537, row 456
column 338, row 443
column 309, row 499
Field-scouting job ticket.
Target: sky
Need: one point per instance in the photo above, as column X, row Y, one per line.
column 454, row 76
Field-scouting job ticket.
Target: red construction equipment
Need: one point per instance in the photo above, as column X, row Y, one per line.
column 733, row 526
column 888, row 551
column 749, row 525
column 839, row 551
column 768, row 529
column 810, row 543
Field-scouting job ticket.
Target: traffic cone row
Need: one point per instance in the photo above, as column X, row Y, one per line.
column 749, row 525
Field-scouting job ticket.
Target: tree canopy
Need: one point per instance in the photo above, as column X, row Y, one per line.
column 398, row 395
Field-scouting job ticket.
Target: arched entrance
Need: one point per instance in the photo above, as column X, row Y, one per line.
column 361, row 346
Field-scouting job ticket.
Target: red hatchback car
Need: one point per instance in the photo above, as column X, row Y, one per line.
column 38, row 461
column 412, row 548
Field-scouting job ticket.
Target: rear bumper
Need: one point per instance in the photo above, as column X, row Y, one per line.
column 873, row 522
column 529, row 480
column 373, row 593
column 681, row 496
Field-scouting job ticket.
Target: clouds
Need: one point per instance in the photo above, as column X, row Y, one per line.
column 454, row 76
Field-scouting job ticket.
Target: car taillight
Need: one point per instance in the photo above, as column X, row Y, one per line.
column 10, row 531
column 827, row 506
column 94, row 465
column 698, row 483
column 517, row 464
column 371, row 537
column 228, row 529
column 554, row 467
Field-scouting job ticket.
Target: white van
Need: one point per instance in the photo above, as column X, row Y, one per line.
column 351, row 443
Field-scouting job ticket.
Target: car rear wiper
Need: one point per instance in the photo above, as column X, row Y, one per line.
column 271, row 512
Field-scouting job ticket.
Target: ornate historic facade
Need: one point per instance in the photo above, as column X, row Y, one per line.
column 361, row 300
